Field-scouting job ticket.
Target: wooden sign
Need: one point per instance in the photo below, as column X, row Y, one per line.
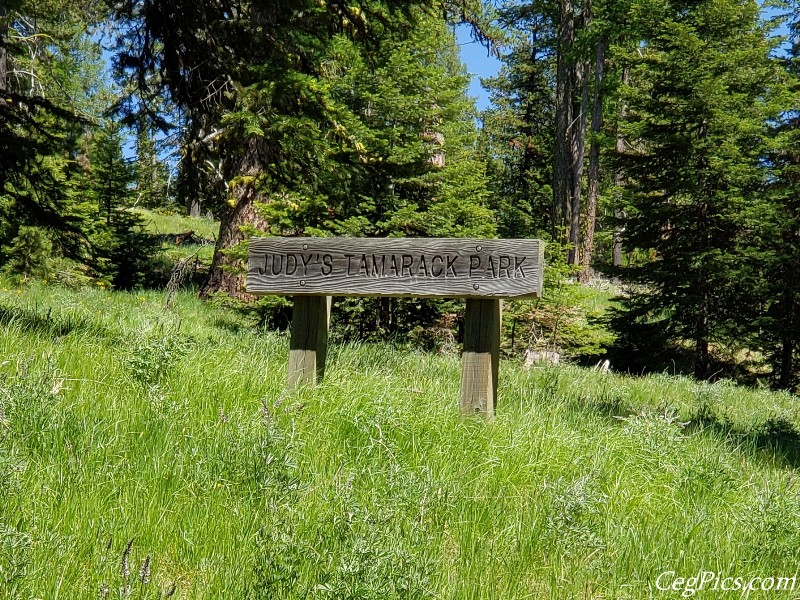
column 483, row 271
column 438, row 268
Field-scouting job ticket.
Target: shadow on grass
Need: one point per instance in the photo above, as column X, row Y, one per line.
column 775, row 440
column 185, row 238
column 48, row 323
column 230, row 325
column 777, row 437
column 642, row 349
column 164, row 268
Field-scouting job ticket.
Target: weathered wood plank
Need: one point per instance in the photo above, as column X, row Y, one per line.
column 480, row 361
column 308, row 345
column 430, row 267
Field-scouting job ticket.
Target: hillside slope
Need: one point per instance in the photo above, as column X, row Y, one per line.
column 144, row 451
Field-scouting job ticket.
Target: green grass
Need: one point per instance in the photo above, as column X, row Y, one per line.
column 122, row 421
column 170, row 223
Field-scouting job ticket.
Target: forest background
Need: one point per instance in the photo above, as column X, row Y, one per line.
column 652, row 143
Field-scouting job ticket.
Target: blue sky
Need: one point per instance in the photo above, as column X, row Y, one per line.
column 479, row 64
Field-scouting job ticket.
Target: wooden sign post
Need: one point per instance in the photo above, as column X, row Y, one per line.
column 308, row 345
column 482, row 271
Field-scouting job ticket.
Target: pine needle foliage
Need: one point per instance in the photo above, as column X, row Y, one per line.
column 698, row 105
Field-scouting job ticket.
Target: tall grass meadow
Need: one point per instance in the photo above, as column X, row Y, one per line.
column 153, row 452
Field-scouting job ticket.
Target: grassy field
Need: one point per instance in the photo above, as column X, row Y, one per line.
column 169, row 223
column 152, row 453
column 200, row 249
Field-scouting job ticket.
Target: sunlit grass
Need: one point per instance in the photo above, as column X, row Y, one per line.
column 124, row 421
column 162, row 223
column 168, row 226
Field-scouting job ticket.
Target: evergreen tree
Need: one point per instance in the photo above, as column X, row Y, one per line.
column 111, row 175
column 546, row 101
column 61, row 178
column 46, row 65
column 518, row 129
column 571, row 113
column 250, row 78
column 405, row 161
column 150, row 172
column 423, row 175
column 123, row 248
column 410, row 147
column 779, row 327
column 29, row 254
column 697, row 108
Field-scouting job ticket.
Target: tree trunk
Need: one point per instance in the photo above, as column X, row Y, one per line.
column 3, row 54
column 531, row 108
column 702, row 359
column 572, row 99
column 578, row 149
column 191, row 188
column 562, row 154
column 158, row 192
column 228, row 272
column 194, row 207
column 786, row 381
column 619, row 183
column 587, row 246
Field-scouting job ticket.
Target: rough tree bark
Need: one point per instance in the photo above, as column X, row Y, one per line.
column 228, row 273
column 587, row 244
column 562, row 153
column 578, row 150
column 571, row 103
column 619, row 183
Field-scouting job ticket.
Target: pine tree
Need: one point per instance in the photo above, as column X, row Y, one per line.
column 546, row 101
column 695, row 123
column 112, row 176
column 255, row 92
column 404, row 160
column 571, row 109
column 48, row 70
column 150, row 173
column 63, row 177
column 29, row 254
column 417, row 138
column 123, row 247
column 779, row 326
column 518, row 130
